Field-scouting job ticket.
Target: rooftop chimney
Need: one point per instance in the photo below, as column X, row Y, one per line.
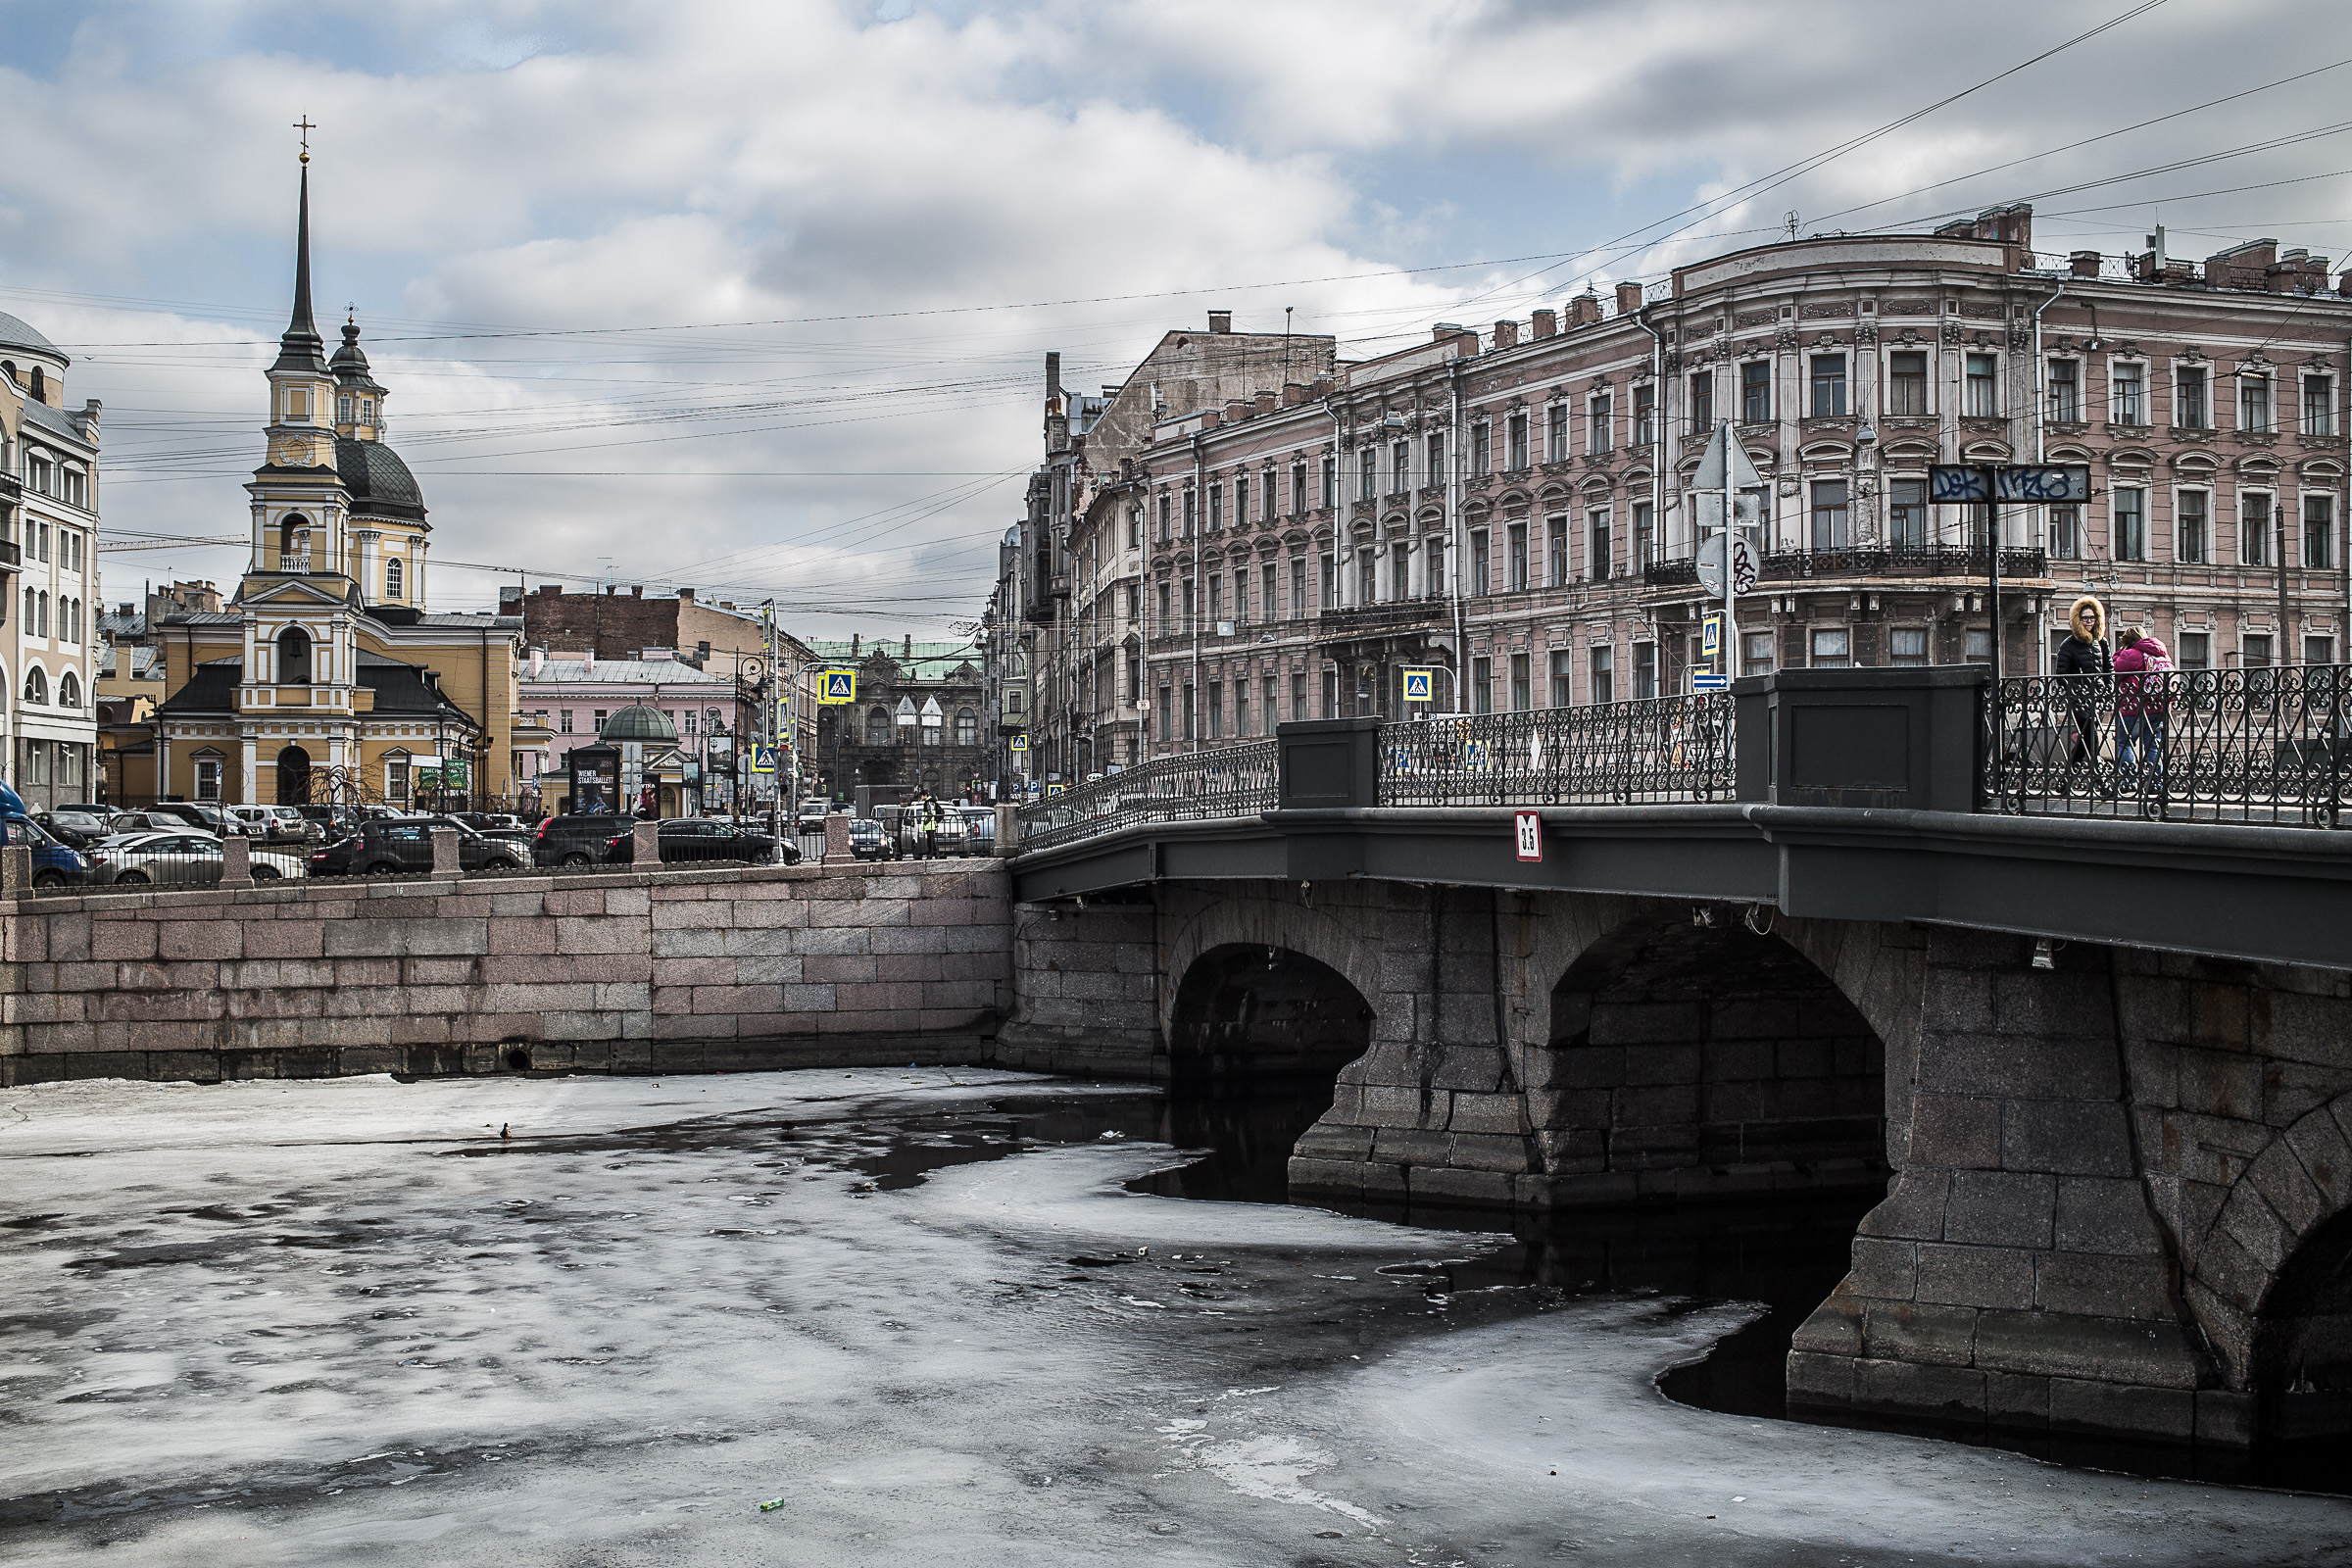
column 538, row 661
column 2082, row 264
column 1584, row 310
column 1547, row 323
column 1265, row 402
column 1220, row 321
column 1052, row 378
column 1293, row 395
column 686, row 595
column 552, row 589
column 637, row 590
column 1506, row 334
column 1628, row 298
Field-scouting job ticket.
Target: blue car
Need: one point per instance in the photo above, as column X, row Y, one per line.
column 52, row 865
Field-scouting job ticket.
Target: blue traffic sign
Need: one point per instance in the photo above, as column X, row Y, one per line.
column 763, row 759
column 1709, row 680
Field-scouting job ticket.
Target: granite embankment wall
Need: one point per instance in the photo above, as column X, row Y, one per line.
column 621, row 971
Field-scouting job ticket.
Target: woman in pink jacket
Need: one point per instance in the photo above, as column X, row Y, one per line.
column 2142, row 710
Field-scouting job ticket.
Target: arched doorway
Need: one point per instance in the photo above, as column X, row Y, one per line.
column 1716, row 1052
column 293, row 776
column 294, row 657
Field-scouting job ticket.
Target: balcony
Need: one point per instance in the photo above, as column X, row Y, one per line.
column 1830, row 565
column 287, row 562
column 1397, row 619
column 12, row 556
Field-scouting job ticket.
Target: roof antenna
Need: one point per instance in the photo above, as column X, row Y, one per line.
column 1790, row 220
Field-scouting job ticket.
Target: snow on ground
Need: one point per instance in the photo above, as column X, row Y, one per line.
column 347, row 1321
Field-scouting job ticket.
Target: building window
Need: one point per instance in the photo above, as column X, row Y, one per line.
column 1555, row 553
column 1216, row 596
column 36, row 686
column 1479, row 546
column 1298, row 489
column 1216, row 710
column 208, row 778
column 1522, row 685
column 1515, row 432
column 877, row 725
column 1645, row 415
column 1755, row 653
column 1907, row 646
column 967, row 727
column 1367, row 578
column 2194, row 522
column 2318, row 404
column 1978, row 644
column 1167, row 711
column 69, row 691
column 1645, row 671
column 1400, row 572
column 1907, row 513
column 2193, row 649
column 2319, row 532
column 2254, row 650
column 1192, row 513
column 1481, row 685
column 2066, row 533
column 2254, row 530
column 395, row 779
column 1482, row 449
column 1400, row 467
column 1832, row 647
column 1437, row 457
column 1983, row 387
column 2128, row 394
column 1907, row 384
column 1517, row 555
column 2254, row 405
column 1702, row 402
column 1298, row 696
column 1297, row 586
column 1240, row 500
column 1555, row 433
column 2189, row 411
column 1603, row 686
column 392, row 579
column 1829, row 514
column 1563, row 668
column 1368, row 474
column 343, row 408
column 1644, row 538
column 1191, row 605
column 1269, row 591
column 1192, row 717
column 1828, row 386
column 1755, row 393
column 1599, row 418
column 2130, row 537
column 1216, row 509
column 1603, row 558
column 2066, row 391
column 1330, row 482
column 1165, row 511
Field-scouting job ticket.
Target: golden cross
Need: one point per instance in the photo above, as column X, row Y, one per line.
column 305, row 127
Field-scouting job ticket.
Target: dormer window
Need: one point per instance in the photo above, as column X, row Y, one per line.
column 367, row 411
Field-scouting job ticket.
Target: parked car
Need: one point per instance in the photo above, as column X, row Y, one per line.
column 55, row 865
column 181, row 858
column 76, row 828
column 871, row 841
column 383, row 847
column 577, row 838
column 979, row 828
column 278, row 825
column 496, row 824
column 205, row 815
column 685, row 839
column 812, row 817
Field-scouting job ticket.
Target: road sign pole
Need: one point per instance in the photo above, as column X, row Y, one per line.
column 1993, row 576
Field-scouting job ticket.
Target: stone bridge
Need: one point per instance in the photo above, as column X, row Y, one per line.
column 2098, row 1073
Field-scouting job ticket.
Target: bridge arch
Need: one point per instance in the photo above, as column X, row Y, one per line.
column 1693, row 1054
column 1246, row 1010
column 1279, row 916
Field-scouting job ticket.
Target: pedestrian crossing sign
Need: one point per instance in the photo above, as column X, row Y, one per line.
column 763, row 759
column 1020, row 744
column 1417, row 686
column 841, row 686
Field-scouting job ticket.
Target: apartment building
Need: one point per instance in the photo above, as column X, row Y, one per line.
column 49, row 557
column 1514, row 509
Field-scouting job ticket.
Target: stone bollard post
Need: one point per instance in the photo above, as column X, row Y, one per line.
column 1009, row 829
column 645, row 846
column 15, row 872
column 837, row 838
column 445, row 852
column 236, row 861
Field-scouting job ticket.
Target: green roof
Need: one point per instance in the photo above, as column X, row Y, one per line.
column 934, row 660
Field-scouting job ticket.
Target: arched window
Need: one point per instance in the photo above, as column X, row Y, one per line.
column 32, row 617
column 36, row 686
column 294, row 657
column 69, row 691
column 43, row 629
column 40, row 383
column 392, row 576
column 877, row 726
column 967, row 727
column 294, row 543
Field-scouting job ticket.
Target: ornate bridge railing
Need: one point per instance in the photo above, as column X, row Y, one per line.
column 1627, row 754
column 1869, row 560
column 2272, row 746
column 1231, row 781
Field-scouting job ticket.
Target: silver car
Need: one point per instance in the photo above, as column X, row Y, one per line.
column 179, row 860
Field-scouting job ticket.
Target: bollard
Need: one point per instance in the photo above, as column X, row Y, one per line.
column 837, row 838
column 445, row 852
column 1009, row 829
column 15, row 872
column 645, row 846
column 236, row 861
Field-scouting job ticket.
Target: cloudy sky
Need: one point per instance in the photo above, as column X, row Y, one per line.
column 753, row 297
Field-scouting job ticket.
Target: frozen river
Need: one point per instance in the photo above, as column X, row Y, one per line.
column 920, row 1314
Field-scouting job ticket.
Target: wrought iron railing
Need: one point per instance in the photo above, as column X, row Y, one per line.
column 1869, row 560
column 1666, row 750
column 1231, row 781
column 2271, row 746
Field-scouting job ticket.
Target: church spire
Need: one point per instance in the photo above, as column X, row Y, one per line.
column 299, row 348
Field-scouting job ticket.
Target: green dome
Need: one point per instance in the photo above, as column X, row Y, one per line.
column 638, row 722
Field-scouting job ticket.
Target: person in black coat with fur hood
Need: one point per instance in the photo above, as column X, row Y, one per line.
column 2085, row 652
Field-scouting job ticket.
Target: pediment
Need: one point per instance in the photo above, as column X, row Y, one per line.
column 291, row 591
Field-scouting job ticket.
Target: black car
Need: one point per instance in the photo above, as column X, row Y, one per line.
column 686, row 839
column 577, row 838
column 376, row 847
column 76, row 828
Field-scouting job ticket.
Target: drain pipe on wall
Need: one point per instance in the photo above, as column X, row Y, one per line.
column 1657, row 485
column 1458, row 458
column 2042, row 419
column 1200, row 600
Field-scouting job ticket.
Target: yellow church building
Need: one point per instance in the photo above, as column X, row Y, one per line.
column 325, row 677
